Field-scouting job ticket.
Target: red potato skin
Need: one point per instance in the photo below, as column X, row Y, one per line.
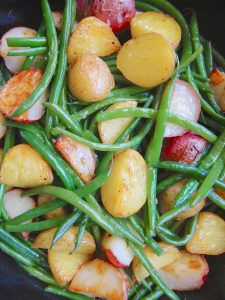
column 112, row 258
column 84, row 8
column 185, row 148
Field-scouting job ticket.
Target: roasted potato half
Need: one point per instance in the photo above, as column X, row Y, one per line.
column 168, row 196
column 66, row 242
column 209, row 238
column 45, row 199
column 125, row 191
column 217, row 82
column 91, row 35
column 3, row 128
column 170, row 254
column 81, row 158
column 23, row 167
column 110, row 130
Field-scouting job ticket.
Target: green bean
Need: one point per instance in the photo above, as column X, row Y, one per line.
column 140, row 293
column 164, row 184
column 64, row 227
column 195, row 55
column 51, row 65
column 154, row 295
column 204, row 87
column 36, row 212
column 208, row 57
column 43, row 276
column 145, row 6
column 211, row 124
column 28, row 52
column 51, row 157
column 152, row 272
column 14, row 254
column 83, row 114
column 26, row 41
column 60, row 72
column 35, row 226
column 80, row 233
column 128, row 91
column 99, row 216
column 121, row 79
column 151, row 113
column 114, row 70
column 62, row 101
column 111, row 62
column 64, row 293
column 219, row 201
column 220, row 60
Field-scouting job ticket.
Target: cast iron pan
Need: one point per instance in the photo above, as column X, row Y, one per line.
column 15, row 284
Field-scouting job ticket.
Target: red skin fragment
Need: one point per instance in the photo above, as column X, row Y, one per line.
column 185, row 148
column 113, row 259
column 84, row 8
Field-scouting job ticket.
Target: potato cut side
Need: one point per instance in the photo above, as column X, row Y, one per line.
column 16, row 205
column 14, row 63
column 45, row 199
column 64, row 265
column 170, row 254
column 81, row 158
column 66, row 242
column 168, row 197
column 24, row 167
column 187, row 273
column 17, row 90
column 209, row 238
column 147, row 60
column 110, row 130
column 3, row 128
column 91, row 35
column 217, row 82
column 100, row 279
column 125, row 191
column 157, row 22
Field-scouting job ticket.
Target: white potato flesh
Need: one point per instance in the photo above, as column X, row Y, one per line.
column 80, row 157
column 185, row 102
column 17, row 90
column 24, row 167
column 3, row 128
column 110, row 130
column 187, row 273
column 125, row 191
column 217, row 82
column 98, row 278
column 168, row 197
column 209, row 237
column 16, row 205
column 64, row 265
column 58, row 212
column 117, row 250
column 170, row 254
column 58, row 19
column 14, row 63
column 66, row 242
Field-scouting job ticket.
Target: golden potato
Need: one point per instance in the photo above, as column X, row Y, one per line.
column 158, row 22
column 168, row 196
column 24, row 167
column 3, row 128
column 64, row 265
column 125, row 191
column 90, row 79
column 217, row 82
column 66, row 242
column 147, row 61
column 110, row 130
column 58, row 212
column 81, row 158
column 209, row 238
column 170, row 254
column 92, row 35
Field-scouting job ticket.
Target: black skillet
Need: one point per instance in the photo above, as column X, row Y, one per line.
column 15, row 284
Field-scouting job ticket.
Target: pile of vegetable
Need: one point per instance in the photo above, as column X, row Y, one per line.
column 113, row 158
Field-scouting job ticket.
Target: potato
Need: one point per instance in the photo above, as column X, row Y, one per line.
column 3, row 128
column 187, row 273
column 81, row 158
column 98, row 278
column 90, row 79
column 168, row 196
column 45, row 199
column 66, row 242
column 110, row 130
column 217, row 82
column 91, row 35
column 171, row 254
column 12, row 95
column 157, row 22
column 146, row 61
column 125, row 191
column 24, row 167
column 209, row 238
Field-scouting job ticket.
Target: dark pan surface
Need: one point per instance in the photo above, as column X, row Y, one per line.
column 15, row 284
